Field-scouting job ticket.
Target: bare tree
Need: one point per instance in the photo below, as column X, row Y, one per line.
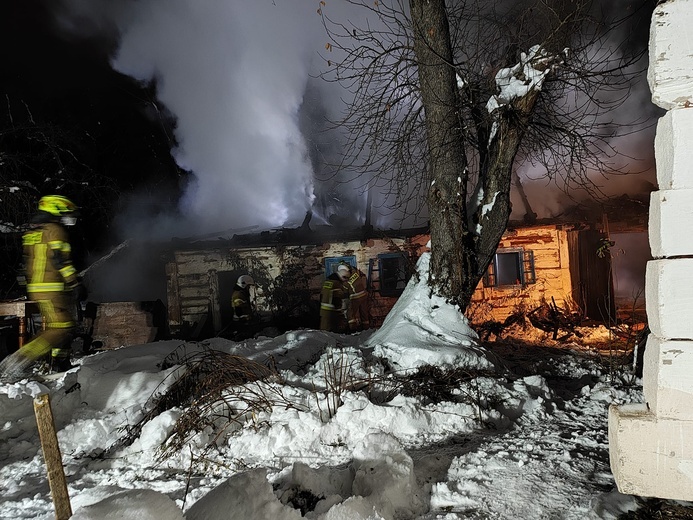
column 448, row 99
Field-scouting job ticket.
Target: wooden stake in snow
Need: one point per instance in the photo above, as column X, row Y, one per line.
column 51, row 454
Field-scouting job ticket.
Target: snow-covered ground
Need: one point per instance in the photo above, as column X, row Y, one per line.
column 347, row 437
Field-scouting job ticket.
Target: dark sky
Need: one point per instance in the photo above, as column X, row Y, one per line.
column 64, row 85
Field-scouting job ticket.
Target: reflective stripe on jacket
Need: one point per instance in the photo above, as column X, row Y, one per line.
column 358, row 284
column 47, row 258
column 332, row 294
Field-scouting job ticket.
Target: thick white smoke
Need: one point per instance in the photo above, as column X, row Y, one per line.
column 234, row 74
column 240, row 76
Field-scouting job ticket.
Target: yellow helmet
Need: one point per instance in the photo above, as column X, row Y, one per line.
column 57, row 205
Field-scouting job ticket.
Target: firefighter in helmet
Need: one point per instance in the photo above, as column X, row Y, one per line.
column 334, row 300
column 241, row 302
column 52, row 282
column 359, row 306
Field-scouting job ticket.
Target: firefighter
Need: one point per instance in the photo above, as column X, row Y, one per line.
column 240, row 299
column 52, row 282
column 334, row 300
column 359, row 306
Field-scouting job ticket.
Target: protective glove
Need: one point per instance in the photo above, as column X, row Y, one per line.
column 78, row 290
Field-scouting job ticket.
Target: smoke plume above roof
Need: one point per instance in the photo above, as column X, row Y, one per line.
column 240, row 77
column 234, row 74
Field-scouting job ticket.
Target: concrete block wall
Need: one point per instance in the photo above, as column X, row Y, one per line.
column 651, row 443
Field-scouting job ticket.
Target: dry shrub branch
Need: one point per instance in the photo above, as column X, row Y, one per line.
column 216, row 390
column 340, row 376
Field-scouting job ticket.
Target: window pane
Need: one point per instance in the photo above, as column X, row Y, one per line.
column 392, row 275
column 509, row 269
column 332, row 262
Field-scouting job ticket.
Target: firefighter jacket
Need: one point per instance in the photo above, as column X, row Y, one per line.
column 359, row 306
column 333, row 301
column 240, row 301
column 334, row 295
column 47, row 259
column 357, row 284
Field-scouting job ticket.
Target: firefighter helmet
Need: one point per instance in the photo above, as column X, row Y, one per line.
column 245, row 280
column 57, row 205
column 343, row 271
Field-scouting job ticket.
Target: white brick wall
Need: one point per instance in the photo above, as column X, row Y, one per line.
column 670, row 74
column 670, row 219
column 673, row 150
column 651, row 443
column 669, row 297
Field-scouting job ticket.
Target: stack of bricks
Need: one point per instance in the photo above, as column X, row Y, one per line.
column 120, row 324
column 651, row 443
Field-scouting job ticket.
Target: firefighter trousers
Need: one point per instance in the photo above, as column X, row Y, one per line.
column 58, row 323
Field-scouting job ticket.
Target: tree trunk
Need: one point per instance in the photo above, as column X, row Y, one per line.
column 450, row 269
column 461, row 247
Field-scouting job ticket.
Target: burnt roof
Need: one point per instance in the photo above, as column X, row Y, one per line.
column 302, row 235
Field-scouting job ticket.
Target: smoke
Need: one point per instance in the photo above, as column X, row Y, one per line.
column 235, row 75
column 628, row 130
column 629, row 257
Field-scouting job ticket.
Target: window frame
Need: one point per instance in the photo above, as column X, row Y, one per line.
column 525, row 264
column 332, row 262
column 403, row 261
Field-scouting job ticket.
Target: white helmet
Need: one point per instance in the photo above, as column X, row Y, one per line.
column 244, row 281
column 343, row 271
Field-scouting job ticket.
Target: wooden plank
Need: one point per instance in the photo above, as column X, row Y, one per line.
column 172, row 293
column 214, row 304
column 51, row 454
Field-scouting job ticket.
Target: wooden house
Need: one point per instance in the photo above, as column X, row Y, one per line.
column 550, row 262
column 563, row 264
column 289, row 267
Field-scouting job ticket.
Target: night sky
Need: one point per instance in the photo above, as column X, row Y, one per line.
column 64, row 88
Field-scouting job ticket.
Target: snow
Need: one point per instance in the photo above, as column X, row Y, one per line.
column 343, row 440
column 517, row 81
column 485, row 209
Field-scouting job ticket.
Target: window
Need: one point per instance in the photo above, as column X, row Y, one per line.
column 333, row 262
column 510, row 268
column 392, row 273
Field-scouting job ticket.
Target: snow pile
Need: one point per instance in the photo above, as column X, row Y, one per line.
column 423, row 329
column 519, row 80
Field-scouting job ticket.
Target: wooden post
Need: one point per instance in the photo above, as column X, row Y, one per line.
column 22, row 331
column 51, row 454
